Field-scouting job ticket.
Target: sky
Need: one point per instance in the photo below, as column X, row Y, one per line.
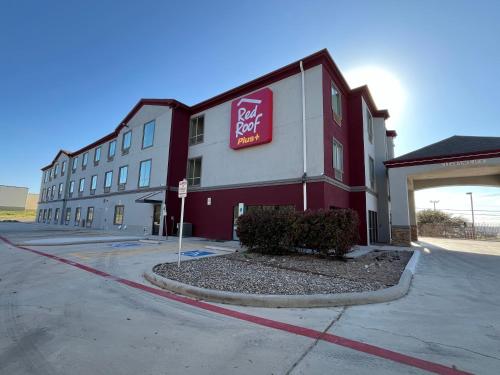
column 71, row 70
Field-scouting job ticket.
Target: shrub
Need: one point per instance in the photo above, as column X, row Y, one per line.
column 328, row 232
column 267, row 231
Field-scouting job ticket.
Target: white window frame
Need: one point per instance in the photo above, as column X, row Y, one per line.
column 338, row 163
column 336, row 104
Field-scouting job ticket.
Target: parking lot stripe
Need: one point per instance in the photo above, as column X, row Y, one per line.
column 297, row 330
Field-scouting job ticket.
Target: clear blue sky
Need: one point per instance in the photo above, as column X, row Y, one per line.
column 71, row 70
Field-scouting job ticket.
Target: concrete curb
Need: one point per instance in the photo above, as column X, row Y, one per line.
column 301, row 301
column 77, row 242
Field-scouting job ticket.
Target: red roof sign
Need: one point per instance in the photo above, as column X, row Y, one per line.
column 252, row 119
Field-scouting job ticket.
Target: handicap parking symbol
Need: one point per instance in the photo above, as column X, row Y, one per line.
column 196, row 253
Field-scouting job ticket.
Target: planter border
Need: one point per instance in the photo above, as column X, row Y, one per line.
column 298, row 301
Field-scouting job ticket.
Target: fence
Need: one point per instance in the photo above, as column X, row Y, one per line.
column 482, row 231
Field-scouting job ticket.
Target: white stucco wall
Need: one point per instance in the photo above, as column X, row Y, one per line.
column 282, row 158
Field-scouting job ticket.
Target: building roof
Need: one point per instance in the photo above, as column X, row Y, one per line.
column 321, row 57
column 456, row 147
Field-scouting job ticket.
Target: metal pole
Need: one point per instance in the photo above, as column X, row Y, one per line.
column 472, row 212
column 180, row 232
column 434, row 203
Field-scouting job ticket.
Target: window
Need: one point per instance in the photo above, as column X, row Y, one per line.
column 85, row 160
column 196, row 130
column 336, row 104
column 60, row 191
column 118, row 219
column 75, row 163
column 68, row 215
column 49, row 215
column 144, row 173
column 369, row 125
column 56, row 170
column 39, row 215
column 122, row 176
column 63, row 168
column 338, row 160
column 194, row 172
column 111, row 149
column 44, row 178
column 97, row 155
column 81, row 186
column 50, row 174
column 71, row 188
column 52, row 192
column 371, row 166
column 56, row 215
column 44, row 215
column 90, row 216
column 126, row 141
column 93, row 184
column 77, row 215
column 108, row 180
column 148, row 134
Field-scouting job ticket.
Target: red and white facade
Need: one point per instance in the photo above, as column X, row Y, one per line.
column 246, row 147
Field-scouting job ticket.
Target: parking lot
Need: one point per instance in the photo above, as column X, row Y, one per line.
column 85, row 308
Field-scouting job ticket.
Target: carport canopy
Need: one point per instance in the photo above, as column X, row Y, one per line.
column 458, row 160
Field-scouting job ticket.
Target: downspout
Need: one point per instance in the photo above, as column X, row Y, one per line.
column 304, row 138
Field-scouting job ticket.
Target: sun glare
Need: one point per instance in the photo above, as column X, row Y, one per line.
column 385, row 87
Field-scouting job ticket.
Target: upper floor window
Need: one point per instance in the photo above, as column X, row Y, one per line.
column 371, row 166
column 81, row 186
column 194, row 172
column 44, row 178
column 112, row 149
column 126, row 141
column 108, row 180
column 60, row 192
column 369, row 125
column 336, row 104
column 145, row 173
column 85, row 160
column 50, row 174
column 63, row 168
column 148, row 134
column 97, row 155
column 196, row 130
column 56, row 170
column 71, row 188
column 93, row 184
column 338, row 160
column 122, row 176
column 74, row 165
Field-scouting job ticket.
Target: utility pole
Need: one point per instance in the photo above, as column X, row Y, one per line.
column 434, row 203
column 472, row 212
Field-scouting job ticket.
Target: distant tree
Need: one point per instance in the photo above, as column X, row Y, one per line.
column 438, row 217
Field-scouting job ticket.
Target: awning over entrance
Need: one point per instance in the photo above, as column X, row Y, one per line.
column 458, row 160
column 153, row 198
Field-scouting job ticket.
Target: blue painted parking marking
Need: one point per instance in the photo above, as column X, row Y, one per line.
column 196, row 253
column 126, row 244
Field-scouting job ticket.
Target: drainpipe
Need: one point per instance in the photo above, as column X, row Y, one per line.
column 304, row 138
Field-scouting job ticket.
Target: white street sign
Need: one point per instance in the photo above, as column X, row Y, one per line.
column 182, row 195
column 183, row 188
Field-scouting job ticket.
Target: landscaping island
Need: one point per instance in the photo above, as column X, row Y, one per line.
column 296, row 274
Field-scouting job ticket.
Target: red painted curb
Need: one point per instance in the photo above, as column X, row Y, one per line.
column 297, row 330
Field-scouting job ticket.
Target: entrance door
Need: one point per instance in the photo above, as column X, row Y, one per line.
column 156, row 219
column 373, row 226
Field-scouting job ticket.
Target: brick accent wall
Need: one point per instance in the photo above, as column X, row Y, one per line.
column 401, row 235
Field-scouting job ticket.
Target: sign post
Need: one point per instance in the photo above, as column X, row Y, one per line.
column 182, row 195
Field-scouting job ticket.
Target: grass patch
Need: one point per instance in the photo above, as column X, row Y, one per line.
column 26, row 215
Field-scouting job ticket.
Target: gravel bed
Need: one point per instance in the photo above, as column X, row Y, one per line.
column 291, row 274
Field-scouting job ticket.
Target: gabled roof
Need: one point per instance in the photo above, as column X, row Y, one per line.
column 161, row 102
column 453, row 148
column 321, row 57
